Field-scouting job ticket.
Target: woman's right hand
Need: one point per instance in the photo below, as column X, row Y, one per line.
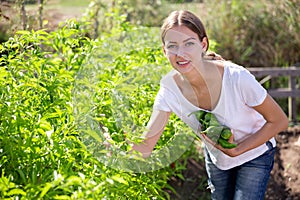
column 155, row 128
column 107, row 143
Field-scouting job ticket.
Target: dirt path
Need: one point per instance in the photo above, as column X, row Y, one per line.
column 285, row 179
column 284, row 183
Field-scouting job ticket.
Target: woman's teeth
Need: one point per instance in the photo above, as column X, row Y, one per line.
column 182, row 62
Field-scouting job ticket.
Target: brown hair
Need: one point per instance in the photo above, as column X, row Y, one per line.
column 185, row 18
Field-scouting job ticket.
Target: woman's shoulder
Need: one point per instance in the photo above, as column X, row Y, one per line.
column 238, row 75
column 233, row 66
column 168, row 78
column 235, row 69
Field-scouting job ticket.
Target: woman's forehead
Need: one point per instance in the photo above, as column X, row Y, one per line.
column 179, row 34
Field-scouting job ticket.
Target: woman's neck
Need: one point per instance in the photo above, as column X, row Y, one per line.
column 201, row 75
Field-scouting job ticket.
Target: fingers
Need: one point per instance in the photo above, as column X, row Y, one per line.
column 231, row 139
column 107, row 139
column 107, row 144
column 207, row 139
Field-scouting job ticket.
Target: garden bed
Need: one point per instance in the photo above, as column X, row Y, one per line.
column 284, row 182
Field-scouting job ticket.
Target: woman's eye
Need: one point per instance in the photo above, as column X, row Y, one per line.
column 171, row 46
column 189, row 44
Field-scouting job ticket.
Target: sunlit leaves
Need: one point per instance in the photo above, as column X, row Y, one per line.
column 60, row 92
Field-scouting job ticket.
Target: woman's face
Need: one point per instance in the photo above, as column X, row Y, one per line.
column 183, row 48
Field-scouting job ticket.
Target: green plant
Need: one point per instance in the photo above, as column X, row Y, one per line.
column 45, row 145
column 250, row 33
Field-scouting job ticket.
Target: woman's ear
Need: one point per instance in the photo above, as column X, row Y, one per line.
column 204, row 44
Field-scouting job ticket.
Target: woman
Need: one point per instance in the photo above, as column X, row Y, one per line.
column 229, row 92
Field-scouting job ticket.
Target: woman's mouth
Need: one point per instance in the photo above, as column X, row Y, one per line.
column 183, row 63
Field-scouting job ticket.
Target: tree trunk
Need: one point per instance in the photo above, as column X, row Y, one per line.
column 23, row 15
column 96, row 23
column 41, row 6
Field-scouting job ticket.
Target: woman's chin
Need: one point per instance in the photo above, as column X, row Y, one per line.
column 184, row 68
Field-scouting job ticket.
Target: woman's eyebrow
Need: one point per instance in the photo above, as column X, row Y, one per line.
column 167, row 41
column 191, row 38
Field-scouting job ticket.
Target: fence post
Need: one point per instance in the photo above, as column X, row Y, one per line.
column 292, row 99
column 292, row 92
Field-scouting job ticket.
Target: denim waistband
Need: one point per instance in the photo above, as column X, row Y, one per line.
column 269, row 145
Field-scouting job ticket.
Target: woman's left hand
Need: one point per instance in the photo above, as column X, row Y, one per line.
column 230, row 152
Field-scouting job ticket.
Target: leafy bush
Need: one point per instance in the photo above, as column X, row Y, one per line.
column 145, row 13
column 256, row 33
column 45, row 101
column 138, row 12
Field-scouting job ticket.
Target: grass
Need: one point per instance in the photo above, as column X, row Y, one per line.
column 69, row 8
column 61, row 4
column 73, row 3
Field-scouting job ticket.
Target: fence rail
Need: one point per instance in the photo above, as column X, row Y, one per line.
column 291, row 92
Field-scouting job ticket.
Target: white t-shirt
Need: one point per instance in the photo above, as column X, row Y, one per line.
column 240, row 91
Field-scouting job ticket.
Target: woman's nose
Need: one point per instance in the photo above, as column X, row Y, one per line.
column 180, row 52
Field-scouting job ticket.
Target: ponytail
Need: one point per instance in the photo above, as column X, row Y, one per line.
column 212, row 56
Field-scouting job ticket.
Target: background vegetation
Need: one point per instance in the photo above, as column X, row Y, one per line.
column 49, row 85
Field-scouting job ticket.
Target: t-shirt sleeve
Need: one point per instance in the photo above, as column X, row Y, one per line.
column 253, row 93
column 160, row 102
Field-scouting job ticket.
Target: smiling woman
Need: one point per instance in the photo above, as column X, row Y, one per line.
column 182, row 46
column 224, row 89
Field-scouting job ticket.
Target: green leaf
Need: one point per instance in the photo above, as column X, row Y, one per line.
column 22, row 175
column 119, row 179
column 16, row 191
column 94, row 134
column 46, row 189
column 62, row 197
column 23, row 32
column 74, row 180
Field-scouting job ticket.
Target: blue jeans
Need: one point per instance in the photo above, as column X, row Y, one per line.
column 245, row 182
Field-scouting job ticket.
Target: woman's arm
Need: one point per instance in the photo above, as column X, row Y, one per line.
column 276, row 121
column 155, row 128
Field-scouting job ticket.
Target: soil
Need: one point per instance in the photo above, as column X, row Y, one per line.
column 284, row 183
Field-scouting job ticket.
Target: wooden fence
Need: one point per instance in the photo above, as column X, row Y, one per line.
column 292, row 92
